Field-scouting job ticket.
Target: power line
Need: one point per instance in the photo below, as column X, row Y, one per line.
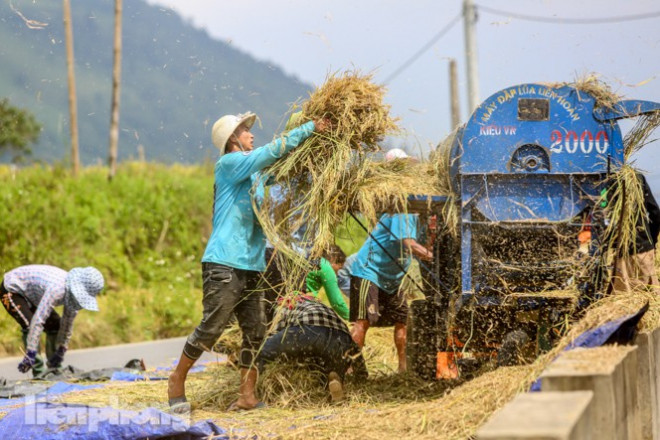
column 569, row 20
column 423, row 49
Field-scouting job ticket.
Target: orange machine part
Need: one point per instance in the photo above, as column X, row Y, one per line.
column 446, row 365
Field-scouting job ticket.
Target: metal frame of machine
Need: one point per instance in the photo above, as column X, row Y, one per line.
column 527, row 169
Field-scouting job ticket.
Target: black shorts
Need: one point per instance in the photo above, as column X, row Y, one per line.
column 370, row 302
column 228, row 291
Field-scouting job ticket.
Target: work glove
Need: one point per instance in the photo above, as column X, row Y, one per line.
column 28, row 361
column 56, row 359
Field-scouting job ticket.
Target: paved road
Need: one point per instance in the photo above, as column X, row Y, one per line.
column 154, row 353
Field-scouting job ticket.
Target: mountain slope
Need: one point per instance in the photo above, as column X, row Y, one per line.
column 176, row 81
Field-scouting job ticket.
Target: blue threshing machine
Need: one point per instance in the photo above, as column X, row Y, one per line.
column 527, row 170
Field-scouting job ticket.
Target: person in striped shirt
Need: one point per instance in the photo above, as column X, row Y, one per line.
column 30, row 295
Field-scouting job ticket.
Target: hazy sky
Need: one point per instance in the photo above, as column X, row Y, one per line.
column 309, row 38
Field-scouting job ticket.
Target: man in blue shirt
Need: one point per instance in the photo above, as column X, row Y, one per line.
column 234, row 256
column 376, row 274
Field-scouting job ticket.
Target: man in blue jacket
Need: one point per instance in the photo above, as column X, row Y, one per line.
column 376, row 274
column 234, row 256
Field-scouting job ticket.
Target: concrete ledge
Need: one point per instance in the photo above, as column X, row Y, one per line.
column 547, row 416
column 655, row 372
column 646, row 385
column 611, row 373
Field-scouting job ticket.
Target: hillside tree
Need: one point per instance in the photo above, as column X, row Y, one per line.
column 18, row 129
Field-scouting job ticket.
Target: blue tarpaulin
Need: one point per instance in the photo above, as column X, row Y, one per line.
column 58, row 388
column 619, row 331
column 59, row 421
column 199, row 366
column 133, row 377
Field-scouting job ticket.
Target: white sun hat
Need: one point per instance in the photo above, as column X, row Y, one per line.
column 395, row 153
column 84, row 283
column 226, row 125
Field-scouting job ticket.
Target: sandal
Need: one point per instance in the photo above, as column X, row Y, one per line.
column 234, row 407
column 179, row 405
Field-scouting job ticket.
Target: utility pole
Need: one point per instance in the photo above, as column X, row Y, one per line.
column 73, row 107
column 453, row 94
column 116, row 88
column 469, row 21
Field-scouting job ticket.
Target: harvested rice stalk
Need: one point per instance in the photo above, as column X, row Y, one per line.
column 317, row 177
column 638, row 136
column 625, row 208
column 601, row 91
column 385, row 186
column 594, row 86
column 442, row 162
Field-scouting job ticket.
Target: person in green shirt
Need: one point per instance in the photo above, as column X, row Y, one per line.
column 326, row 277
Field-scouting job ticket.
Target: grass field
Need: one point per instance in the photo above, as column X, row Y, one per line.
column 146, row 231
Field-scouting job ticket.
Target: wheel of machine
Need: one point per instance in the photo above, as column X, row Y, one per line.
column 422, row 339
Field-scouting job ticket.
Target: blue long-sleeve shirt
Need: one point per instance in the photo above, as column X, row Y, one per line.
column 374, row 264
column 237, row 239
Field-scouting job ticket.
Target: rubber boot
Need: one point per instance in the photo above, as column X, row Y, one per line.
column 51, row 344
column 38, row 368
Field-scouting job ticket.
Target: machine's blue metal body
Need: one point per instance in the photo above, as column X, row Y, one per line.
column 528, row 170
column 532, row 156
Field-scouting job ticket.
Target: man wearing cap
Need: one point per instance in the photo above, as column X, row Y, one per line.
column 235, row 253
column 30, row 295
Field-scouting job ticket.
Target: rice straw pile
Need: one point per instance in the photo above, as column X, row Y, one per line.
column 374, row 412
column 385, row 405
column 294, row 386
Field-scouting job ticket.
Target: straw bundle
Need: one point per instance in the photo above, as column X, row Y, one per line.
column 442, row 161
column 625, row 209
column 625, row 195
column 594, row 86
column 638, row 136
column 385, row 186
column 318, row 177
column 332, row 175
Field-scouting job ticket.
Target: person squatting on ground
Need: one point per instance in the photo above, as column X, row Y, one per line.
column 30, row 295
column 234, row 255
column 310, row 332
column 637, row 268
column 376, row 296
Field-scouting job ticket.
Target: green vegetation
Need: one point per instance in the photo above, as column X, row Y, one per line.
column 145, row 231
column 18, row 129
